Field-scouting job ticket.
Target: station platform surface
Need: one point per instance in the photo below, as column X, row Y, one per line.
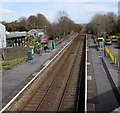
column 14, row 77
column 101, row 97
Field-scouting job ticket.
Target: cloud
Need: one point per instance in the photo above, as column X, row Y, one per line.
column 78, row 12
column 83, row 12
column 91, row 9
column 100, row 7
column 5, row 11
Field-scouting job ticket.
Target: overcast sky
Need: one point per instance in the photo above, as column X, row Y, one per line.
column 80, row 11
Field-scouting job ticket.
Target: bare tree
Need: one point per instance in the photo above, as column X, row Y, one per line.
column 22, row 20
column 103, row 23
column 64, row 22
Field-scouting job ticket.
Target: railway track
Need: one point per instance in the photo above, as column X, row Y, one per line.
column 58, row 90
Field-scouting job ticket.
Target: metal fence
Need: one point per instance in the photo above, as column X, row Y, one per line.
column 112, row 57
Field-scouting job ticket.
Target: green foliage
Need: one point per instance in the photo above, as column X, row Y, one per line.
column 12, row 58
column 103, row 23
column 21, row 27
column 9, row 65
column 63, row 25
column 38, row 45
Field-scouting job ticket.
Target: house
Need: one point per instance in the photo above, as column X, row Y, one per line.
column 36, row 33
column 2, row 36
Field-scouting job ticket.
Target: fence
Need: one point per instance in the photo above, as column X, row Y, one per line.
column 112, row 57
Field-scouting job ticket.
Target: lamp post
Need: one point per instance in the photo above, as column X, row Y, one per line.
column 45, row 29
column 119, row 10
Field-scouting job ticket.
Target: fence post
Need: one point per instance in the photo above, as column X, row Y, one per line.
column 112, row 57
column 115, row 60
column 118, row 64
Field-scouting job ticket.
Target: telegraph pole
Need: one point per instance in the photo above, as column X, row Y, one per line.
column 119, row 42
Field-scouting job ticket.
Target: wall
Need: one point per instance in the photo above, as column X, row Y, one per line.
column 17, row 51
column 2, row 36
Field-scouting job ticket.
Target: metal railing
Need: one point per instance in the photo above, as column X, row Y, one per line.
column 112, row 57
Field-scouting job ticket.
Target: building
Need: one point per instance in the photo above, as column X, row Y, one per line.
column 2, row 36
column 16, row 38
column 36, row 33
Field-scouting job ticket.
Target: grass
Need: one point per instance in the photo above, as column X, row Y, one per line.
column 0, row 65
column 9, row 65
column 12, row 58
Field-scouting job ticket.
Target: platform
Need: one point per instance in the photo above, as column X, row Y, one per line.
column 101, row 97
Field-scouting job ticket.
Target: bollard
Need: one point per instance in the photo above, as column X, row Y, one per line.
column 112, row 57
column 104, row 53
column 101, row 59
column 118, row 64
column 115, row 61
column 32, row 59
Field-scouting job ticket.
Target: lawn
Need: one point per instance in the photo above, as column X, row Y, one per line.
column 9, row 65
column 12, row 58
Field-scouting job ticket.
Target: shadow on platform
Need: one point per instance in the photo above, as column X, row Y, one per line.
column 104, row 103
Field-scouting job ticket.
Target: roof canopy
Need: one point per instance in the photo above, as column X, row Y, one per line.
column 16, row 34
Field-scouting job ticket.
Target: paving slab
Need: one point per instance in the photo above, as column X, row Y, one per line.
column 105, row 98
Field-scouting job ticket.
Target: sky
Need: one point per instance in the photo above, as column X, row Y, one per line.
column 80, row 11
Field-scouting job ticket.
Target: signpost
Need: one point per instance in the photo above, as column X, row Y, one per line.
column 101, row 46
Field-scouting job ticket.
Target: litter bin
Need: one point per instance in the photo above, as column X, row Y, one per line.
column 29, row 55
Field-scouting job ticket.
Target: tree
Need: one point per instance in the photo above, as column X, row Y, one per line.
column 77, row 27
column 22, row 20
column 101, row 23
column 42, row 21
column 21, row 27
column 62, row 26
column 64, row 22
column 32, row 20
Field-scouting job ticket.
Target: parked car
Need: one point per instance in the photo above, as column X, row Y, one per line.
column 108, row 42
column 114, row 39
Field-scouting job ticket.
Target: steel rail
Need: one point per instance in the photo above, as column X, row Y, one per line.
column 44, row 81
column 54, row 81
column 28, row 84
column 68, row 81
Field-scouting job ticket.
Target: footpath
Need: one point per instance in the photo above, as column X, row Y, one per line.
column 21, row 74
column 101, row 97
